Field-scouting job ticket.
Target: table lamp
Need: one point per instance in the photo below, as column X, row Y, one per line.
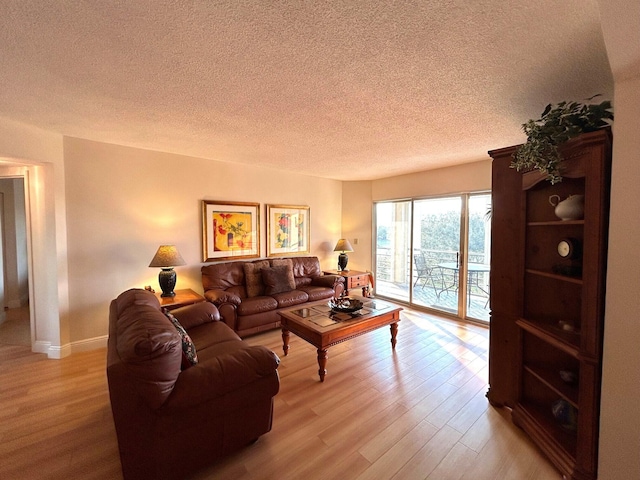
column 343, row 245
column 166, row 258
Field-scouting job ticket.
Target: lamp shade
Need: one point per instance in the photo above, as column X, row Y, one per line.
column 343, row 245
column 167, row 256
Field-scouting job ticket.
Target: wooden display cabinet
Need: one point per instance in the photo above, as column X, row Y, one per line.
column 547, row 311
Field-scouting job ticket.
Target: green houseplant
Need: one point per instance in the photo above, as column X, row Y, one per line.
column 558, row 124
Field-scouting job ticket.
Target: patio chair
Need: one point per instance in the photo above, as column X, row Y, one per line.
column 428, row 273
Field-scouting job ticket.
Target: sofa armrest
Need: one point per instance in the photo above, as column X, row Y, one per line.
column 197, row 314
column 229, row 314
column 219, row 296
column 220, row 375
column 327, row 281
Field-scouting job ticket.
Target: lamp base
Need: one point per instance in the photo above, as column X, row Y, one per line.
column 343, row 259
column 167, row 280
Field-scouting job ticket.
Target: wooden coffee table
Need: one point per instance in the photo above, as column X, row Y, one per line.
column 315, row 323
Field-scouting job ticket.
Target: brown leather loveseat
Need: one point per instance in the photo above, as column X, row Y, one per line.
column 175, row 409
column 250, row 294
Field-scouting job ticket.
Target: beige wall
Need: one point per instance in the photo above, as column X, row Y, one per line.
column 619, row 448
column 620, row 413
column 356, row 224
column 471, row 177
column 122, row 203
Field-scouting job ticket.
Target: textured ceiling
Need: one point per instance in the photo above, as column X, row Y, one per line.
column 350, row 90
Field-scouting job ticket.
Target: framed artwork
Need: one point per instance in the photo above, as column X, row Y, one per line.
column 230, row 230
column 287, row 230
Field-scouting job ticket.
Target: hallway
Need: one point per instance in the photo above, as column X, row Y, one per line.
column 15, row 329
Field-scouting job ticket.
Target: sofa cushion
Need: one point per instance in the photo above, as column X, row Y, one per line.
column 222, row 275
column 318, row 293
column 189, row 354
column 250, row 306
column 278, row 279
column 291, row 298
column 210, row 334
column 253, row 277
column 306, row 267
column 303, row 281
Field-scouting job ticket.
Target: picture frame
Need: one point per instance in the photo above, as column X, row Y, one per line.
column 288, row 228
column 230, row 230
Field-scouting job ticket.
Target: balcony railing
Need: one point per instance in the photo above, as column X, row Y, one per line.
column 393, row 278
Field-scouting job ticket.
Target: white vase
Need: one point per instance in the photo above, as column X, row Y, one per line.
column 571, row 208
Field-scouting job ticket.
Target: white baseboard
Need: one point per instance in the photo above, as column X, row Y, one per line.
column 89, row 344
column 42, row 347
column 57, row 351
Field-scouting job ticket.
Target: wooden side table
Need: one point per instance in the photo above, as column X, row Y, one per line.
column 182, row 298
column 352, row 279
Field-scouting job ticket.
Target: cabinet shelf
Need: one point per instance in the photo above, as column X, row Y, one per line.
column 555, row 276
column 547, row 426
column 555, row 223
column 552, row 380
column 568, row 342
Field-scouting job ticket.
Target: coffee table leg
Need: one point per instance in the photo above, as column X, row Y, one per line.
column 322, row 363
column 285, row 341
column 394, row 333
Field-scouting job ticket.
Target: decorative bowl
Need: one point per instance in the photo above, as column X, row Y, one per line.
column 345, row 305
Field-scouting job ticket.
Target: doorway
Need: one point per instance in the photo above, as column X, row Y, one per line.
column 15, row 327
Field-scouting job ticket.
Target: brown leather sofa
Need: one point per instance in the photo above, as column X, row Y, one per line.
column 171, row 417
column 250, row 294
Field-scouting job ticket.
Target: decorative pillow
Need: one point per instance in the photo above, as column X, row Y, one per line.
column 278, row 279
column 276, row 262
column 189, row 355
column 253, row 277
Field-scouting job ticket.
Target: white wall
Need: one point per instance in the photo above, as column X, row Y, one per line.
column 122, row 203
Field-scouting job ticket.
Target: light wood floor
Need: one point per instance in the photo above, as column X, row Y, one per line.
column 419, row 412
column 15, row 329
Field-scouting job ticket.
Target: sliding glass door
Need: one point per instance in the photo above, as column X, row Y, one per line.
column 434, row 253
column 478, row 259
column 393, row 245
